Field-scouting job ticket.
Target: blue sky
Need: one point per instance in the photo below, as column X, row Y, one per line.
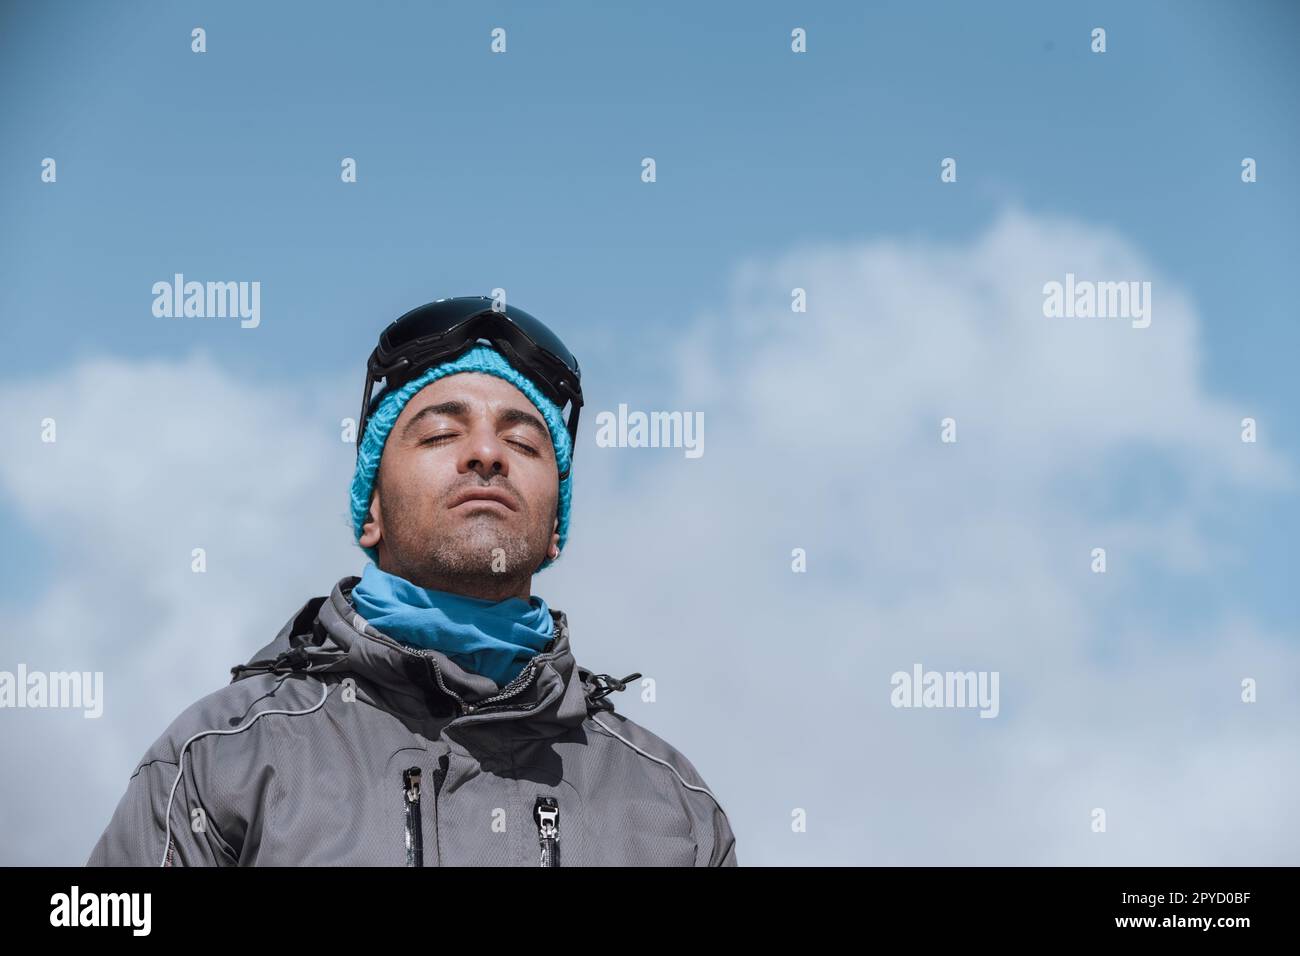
column 523, row 171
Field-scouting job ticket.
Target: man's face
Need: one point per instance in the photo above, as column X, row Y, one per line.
column 465, row 435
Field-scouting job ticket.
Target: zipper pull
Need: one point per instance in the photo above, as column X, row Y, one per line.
column 411, row 784
column 414, row 836
column 546, row 812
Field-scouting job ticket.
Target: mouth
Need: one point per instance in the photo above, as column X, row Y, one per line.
column 485, row 496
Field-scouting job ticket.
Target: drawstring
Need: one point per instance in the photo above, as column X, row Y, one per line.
column 299, row 658
column 603, row 686
column 285, row 662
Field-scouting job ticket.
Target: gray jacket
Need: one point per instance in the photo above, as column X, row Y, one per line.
column 336, row 745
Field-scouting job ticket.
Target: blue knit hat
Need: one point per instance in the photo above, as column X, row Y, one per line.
column 481, row 358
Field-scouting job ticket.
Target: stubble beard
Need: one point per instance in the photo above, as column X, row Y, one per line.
column 478, row 556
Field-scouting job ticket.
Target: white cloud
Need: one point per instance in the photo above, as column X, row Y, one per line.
column 822, row 433
column 154, row 459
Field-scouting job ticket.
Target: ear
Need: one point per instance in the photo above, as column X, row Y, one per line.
column 373, row 530
column 554, row 549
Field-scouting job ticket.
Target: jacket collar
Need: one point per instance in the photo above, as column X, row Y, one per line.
column 551, row 695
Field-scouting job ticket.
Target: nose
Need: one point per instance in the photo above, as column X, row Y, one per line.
column 484, row 452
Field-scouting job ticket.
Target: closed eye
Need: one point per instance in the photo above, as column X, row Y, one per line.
column 523, row 446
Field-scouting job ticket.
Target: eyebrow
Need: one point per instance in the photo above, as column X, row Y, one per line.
column 459, row 409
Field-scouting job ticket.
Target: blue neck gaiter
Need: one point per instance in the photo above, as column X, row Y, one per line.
column 495, row 639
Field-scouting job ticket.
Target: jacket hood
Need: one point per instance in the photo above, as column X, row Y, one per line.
column 550, row 696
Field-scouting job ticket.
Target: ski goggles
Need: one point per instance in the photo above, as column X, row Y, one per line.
column 440, row 331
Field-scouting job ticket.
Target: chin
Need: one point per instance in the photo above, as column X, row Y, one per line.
column 475, row 550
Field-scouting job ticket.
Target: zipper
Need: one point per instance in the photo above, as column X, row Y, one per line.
column 411, row 798
column 546, row 811
column 517, row 686
column 521, row 682
column 524, row 680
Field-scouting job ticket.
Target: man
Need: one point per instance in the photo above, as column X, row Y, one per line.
column 430, row 712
